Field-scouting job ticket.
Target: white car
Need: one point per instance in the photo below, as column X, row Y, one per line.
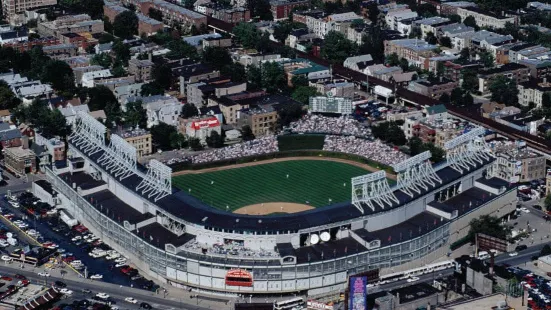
column 120, row 264
column 96, row 276
column 43, row 274
column 513, row 254
column 525, row 210
column 413, row 279
column 51, row 212
column 120, row 260
column 3, row 243
column 66, row 291
column 76, row 238
column 14, row 204
column 102, row 295
column 5, row 258
column 131, row 300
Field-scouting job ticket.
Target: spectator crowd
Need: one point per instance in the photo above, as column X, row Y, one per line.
column 343, row 125
column 262, row 145
column 373, row 150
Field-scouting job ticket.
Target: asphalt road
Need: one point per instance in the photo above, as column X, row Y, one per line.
column 117, row 292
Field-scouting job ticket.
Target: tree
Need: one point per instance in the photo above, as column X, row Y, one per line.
column 8, row 100
column 446, row 41
column 546, row 250
column 289, row 113
column 247, row 133
column 373, row 44
column 430, row 38
column 404, row 64
column 392, row 60
column 437, row 154
column 546, row 100
column 415, row 33
column 160, row 134
column 254, row 77
column 415, row 146
column 60, row 75
column 102, row 59
column 247, row 34
column 189, row 110
column 151, row 89
column 195, row 144
column 504, row 90
column 487, row 59
column 100, row 97
column 372, row 11
column 177, row 140
column 489, row 225
column 427, row 10
column 389, row 132
column 106, row 38
column 302, row 94
column 126, row 25
column 215, row 140
column 456, row 96
column 180, row 49
column 464, row 56
column 216, row 56
column 547, row 202
column 337, row 47
column 445, row 98
column 122, row 52
column 118, row 70
column 235, row 71
column 260, row 9
column 162, row 75
column 468, row 99
column 94, row 8
column 156, row 14
column 470, row 21
column 135, row 114
column 299, row 80
column 470, row 81
column 273, row 76
column 455, row 18
column 284, row 28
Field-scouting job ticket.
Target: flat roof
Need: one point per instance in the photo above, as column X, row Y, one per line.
column 81, row 179
column 110, row 205
column 157, row 235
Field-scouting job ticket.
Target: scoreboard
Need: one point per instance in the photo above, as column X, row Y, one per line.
column 336, row 105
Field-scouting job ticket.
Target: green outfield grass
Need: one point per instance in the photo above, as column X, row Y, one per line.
column 314, row 181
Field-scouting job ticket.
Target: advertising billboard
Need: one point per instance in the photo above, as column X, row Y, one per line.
column 357, row 299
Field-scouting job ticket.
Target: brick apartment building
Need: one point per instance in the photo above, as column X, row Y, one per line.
column 485, row 18
column 141, row 69
column 60, row 51
column 172, row 13
column 515, row 71
column 13, row 10
column 146, row 24
column 282, row 8
column 81, row 23
column 28, row 45
column 74, row 39
column 415, row 51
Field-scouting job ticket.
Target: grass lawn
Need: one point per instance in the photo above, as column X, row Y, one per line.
column 314, row 181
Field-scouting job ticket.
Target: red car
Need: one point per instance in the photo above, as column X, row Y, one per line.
column 6, row 278
column 20, row 276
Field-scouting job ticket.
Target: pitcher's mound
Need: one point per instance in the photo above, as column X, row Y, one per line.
column 273, row 207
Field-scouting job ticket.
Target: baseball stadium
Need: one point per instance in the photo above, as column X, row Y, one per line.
column 279, row 222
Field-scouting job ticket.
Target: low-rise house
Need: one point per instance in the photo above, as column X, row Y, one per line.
column 533, row 91
column 539, row 69
column 159, row 109
column 123, row 92
column 88, row 78
column 433, row 88
column 139, row 138
column 198, row 93
column 282, row 8
column 114, row 82
column 200, row 127
column 9, row 137
column 358, row 63
column 60, row 51
column 13, row 36
column 20, row 160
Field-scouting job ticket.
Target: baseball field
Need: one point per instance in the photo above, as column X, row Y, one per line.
column 314, row 183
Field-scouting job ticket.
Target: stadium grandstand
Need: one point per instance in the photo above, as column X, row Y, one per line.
column 180, row 240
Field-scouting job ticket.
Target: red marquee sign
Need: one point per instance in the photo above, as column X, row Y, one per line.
column 239, row 277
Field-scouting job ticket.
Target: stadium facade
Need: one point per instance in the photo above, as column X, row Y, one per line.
column 135, row 211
